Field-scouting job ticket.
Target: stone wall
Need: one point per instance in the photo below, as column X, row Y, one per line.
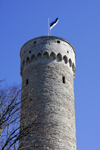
column 47, row 78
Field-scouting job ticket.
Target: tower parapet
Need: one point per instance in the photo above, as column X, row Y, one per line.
column 47, row 47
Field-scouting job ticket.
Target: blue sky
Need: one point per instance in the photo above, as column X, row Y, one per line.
column 79, row 23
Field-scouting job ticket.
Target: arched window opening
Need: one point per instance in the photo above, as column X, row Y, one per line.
column 52, row 56
column 23, row 64
column 73, row 67
column 46, row 55
column 33, row 58
column 27, row 60
column 59, row 57
column 26, row 81
column 65, row 59
column 63, row 79
column 39, row 56
column 70, row 62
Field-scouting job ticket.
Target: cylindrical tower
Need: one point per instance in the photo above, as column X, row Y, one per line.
column 47, row 70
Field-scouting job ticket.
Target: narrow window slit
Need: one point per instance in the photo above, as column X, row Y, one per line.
column 63, row 79
column 26, row 81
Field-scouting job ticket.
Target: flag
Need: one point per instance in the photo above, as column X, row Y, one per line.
column 53, row 23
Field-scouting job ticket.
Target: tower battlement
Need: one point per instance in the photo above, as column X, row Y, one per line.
column 47, row 48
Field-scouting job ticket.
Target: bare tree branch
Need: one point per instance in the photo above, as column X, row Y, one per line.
column 10, row 118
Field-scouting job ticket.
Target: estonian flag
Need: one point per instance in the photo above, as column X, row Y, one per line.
column 53, row 23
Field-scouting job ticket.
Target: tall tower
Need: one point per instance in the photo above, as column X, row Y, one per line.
column 48, row 70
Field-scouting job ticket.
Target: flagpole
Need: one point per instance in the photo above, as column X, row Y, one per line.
column 48, row 27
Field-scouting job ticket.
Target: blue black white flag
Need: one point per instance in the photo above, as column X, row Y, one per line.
column 53, row 23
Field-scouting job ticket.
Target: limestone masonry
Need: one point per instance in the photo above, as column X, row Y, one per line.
column 47, row 70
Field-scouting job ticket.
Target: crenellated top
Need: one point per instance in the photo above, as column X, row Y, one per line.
column 49, row 48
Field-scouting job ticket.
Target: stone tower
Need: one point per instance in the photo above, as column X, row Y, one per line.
column 48, row 70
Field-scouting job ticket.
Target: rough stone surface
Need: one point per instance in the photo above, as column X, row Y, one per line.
column 46, row 64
